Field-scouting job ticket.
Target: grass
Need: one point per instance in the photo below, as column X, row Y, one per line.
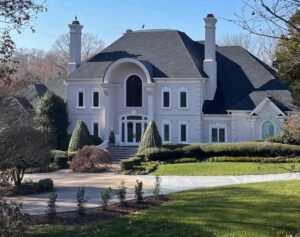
column 223, row 168
column 260, row 210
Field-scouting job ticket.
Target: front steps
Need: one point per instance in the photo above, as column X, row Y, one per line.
column 118, row 153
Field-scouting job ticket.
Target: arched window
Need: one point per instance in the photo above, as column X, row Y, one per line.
column 267, row 130
column 134, row 92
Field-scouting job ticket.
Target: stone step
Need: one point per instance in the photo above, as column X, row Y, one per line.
column 120, row 153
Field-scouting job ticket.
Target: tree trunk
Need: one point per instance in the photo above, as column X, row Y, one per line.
column 18, row 174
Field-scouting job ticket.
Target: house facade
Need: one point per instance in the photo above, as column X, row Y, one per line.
column 195, row 91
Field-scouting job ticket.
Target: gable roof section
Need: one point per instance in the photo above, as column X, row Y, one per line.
column 33, row 93
column 171, row 53
column 262, row 105
column 243, row 82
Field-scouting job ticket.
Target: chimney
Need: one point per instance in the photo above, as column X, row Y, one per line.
column 210, row 64
column 75, row 45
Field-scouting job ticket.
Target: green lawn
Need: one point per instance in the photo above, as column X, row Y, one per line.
column 223, row 168
column 256, row 210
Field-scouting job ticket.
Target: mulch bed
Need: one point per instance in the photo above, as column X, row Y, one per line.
column 97, row 214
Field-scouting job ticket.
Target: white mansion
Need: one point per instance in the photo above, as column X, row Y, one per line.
column 195, row 91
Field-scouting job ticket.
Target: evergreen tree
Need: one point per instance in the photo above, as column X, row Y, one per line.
column 150, row 138
column 52, row 116
column 287, row 60
column 80, row 137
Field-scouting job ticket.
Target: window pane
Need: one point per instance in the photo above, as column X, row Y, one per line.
column 95, row 99
column 183, row 99
column 166, row 99
column 134, row 117
column 183, row 132
column 129, row 132
column 134, row 92
column 214, row 135
column 96, row 129
column 166, row 132
column 80, row 99
column 138, row 131
column 267, row 130
column 222, row 135
column 123, row 132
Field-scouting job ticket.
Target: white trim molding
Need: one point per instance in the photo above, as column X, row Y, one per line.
column 263, row 103
column 217, row 126
column 169, row 123
column 186, row 130
column 183, row 89
column 163, row 90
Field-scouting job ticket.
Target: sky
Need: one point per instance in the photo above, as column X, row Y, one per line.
column 109, row 19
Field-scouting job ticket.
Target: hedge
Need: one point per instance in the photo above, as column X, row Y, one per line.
column 204, row 151
column 254, row 159
column 128, row 164
column 60, row 158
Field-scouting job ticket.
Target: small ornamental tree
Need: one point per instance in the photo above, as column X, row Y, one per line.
column 23, row 147
column 52, row 116
column 51, row 205
column 105, row 197
column 112, row 139
column 121, row 193
column 138, row 191
column 150, row 138
column 80, row 137
column 81, row 201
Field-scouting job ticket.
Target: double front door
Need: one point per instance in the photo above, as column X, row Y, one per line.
column 132, row 129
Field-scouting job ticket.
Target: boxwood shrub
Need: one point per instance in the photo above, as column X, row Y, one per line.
column 44, row 185
column 204, row 151
column 128, row 164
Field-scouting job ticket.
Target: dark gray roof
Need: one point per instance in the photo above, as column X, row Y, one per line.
column 171, row 54
column 33, row 93
column 57, row 86
column 244, row 81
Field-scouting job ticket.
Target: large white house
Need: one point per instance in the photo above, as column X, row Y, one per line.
column 195, row 91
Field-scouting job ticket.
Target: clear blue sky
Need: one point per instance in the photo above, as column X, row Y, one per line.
column 108, row 19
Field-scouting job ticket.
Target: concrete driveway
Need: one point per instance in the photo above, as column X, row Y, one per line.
column 66, row 182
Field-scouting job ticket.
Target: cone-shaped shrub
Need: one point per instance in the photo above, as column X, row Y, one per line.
column 80, row 137
column 150, row 138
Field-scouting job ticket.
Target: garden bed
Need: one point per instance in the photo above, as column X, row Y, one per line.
column 98, row 214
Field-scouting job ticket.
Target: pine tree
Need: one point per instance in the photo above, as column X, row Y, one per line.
column 52, row 116
column 150, row 138
column 80, row 137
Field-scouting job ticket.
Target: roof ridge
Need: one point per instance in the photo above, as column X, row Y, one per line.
column 188, row 52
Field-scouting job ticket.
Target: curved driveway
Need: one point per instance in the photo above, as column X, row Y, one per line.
column 67, row 183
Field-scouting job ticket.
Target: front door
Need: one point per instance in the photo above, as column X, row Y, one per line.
column 132, row 128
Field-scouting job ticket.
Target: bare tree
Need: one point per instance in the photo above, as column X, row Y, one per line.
column 14, row 16
column 268, row 18
column 91, row 45
column 261, row 47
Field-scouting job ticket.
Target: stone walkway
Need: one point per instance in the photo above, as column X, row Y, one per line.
column 67, row 183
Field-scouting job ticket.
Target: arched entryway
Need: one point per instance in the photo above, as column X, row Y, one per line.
column 134, row 91
column 132, row 127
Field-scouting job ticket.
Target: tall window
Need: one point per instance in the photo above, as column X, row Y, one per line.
column 166, row 132
column 134, row 92
column 80, row 99
column 267, row 130
column 96, row 98
column 96, row 129
column 183, row 132
column 183, row 103
column 166, row 94
column 218, row 135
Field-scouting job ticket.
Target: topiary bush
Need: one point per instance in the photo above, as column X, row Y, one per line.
column 128, row 164
column 91, row 159
column 80, row 137
column 60, row 159
column 44, row 185
column 112, row 139
column 150, row 138
column 95, row 140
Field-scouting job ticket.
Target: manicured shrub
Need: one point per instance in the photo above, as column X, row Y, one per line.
column 80, row 137
column 12, row 221
column 253, row 159
column 105, row 197
column 150, row 138
column 121, row 194
column 91, row 159
column 81, row 201
column 58, row 153
column 45, row 185
column 204, row 151
column 96, row 140
column 186, row 160
column 138, row 191
column 128, row 164
column 52, row 116
column 156, row 190
column 51, row 205
column 61, row 162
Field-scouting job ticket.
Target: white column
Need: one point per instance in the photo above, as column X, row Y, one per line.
column 150, row 93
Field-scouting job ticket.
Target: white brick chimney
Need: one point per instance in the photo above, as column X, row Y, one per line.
column 75, row 45
column 210, row 64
